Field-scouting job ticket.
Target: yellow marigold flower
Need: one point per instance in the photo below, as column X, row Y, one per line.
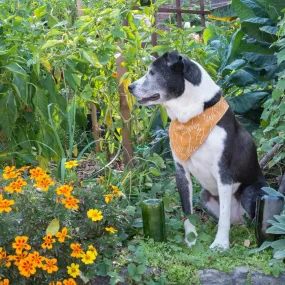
column 71, row 164
column 36, row 173
column 114, row 74
column 50, row 266
column 94, row 215
column 23, row 168
column 62, row 235
column 36, row 259
column 108, row 198
column 4, row 282
column 111, row 230
column 26, row 267
column 10, row 173
column 44, row 182
column 100, row 179
column 77, row 250
column 4, row 258
column 20, row 244
column 17, row 258
column 116, row 191
column 57, row 283
column 5, row 205
column 48, row 241
column 64, row 190
column 70, row 202
column 69, row 281
column 88, row 257
column 92, row 249
column 73, row 270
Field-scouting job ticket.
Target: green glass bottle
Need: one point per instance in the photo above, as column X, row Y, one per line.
column 153, row 219
column 266, row 207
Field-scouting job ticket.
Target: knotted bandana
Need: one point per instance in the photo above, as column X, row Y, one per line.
column 185, row 138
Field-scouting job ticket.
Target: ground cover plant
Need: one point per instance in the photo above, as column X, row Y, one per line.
column 70, row 214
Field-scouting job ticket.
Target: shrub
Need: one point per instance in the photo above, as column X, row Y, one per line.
column 53, row 232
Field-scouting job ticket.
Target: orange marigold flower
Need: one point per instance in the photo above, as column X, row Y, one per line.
column 108, row 198
column 64, row 190
column 23, row 168
column 77, row 250
column 50, row 266
column 100, row 179
column 26, row 267
column 10, row 173
column 116, row 191
column 111, row 230
column 17, row 258
column 36, row 259
column 5, row 205
column 71, row 164
column 36, row 173
column 20, row 244
column 69, row 281
column 70, row 203
column 16, row 186
column 73, row 270
column 48, row 241
column 4, row 258
column 114, row 74
column 57, row 283
column 44, row 182
column 62, row 235
column 4, row 282
column 94, row 215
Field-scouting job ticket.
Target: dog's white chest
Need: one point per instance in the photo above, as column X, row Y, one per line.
column 204, row 162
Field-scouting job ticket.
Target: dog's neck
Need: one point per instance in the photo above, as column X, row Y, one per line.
column 191, row 103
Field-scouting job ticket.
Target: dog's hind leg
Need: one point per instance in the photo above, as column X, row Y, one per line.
column 210, row 203
column 184, row 186
column 248, row 196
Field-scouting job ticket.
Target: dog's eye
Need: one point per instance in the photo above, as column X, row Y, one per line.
column 151, row 72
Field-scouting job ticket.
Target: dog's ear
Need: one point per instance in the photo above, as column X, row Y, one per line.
column 174, row 60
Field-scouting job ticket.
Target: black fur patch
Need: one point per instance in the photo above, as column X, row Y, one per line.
column 214, row 100
column 192, row 72
column 183, row 188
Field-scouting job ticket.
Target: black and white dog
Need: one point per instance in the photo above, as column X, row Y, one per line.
column 226, row 164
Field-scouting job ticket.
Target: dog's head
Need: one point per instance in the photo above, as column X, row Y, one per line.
column 165, row 79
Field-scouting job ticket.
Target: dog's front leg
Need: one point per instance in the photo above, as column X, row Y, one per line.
column 225, row 198
column 184, row 185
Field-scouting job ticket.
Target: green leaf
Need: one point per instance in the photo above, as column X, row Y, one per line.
column 246, row 102
column 163, row 115
column 204, row 237
column 53, row 227
column 40, row 100
column 269, row 30
column 265, row 245
column 281, row 56
column 243, row 11
column 51, row 43
column 258, row 20
column 137, row 223
column 156, row 159
column 271, row 192
column 279, row 254
column 279, row 244
column 208, row 33
column 242, row 78
column 117, row 32
column 9, row 114
column 281, row 84
column 84, row 278
column 91, row 58
column 132, row 269
column 15, row 68
column 72, row 79
column 191, row 237
column 87, row 92
column 39, row 12
column 161, row 48
column 234, row 65
column 194, row 219
column 276, row 94
column 154, row 171
column 131, row 210
column 141, row 269
column 257, row 9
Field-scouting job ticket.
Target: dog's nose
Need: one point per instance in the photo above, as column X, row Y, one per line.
column 131, row 87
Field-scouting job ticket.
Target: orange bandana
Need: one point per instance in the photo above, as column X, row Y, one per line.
column 186, row 138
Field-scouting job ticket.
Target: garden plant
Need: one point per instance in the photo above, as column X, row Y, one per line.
column 70, row 198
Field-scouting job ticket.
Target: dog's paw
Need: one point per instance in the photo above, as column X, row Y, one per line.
column 189, row 228
column 220, row 244
column 189, row 244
